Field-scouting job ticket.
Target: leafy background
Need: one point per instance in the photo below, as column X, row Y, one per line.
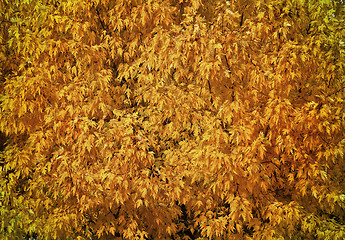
column 172, row 119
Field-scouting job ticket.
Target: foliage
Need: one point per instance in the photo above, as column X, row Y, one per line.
column 172, row 119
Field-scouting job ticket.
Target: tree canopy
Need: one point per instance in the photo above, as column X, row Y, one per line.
column 172, row 119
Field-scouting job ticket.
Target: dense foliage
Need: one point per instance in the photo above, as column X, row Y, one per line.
column 172, row 119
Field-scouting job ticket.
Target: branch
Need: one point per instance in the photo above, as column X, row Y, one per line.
column 100, row 19
column 227, row 63
column 209, row 88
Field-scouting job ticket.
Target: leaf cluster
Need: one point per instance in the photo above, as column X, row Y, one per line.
column 172, row 119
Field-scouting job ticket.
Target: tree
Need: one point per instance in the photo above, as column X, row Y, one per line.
column 172, row 119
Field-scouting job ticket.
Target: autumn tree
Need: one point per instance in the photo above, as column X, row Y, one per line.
column 172, row 119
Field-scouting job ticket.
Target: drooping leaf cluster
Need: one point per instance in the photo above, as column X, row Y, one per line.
column 172, row 119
